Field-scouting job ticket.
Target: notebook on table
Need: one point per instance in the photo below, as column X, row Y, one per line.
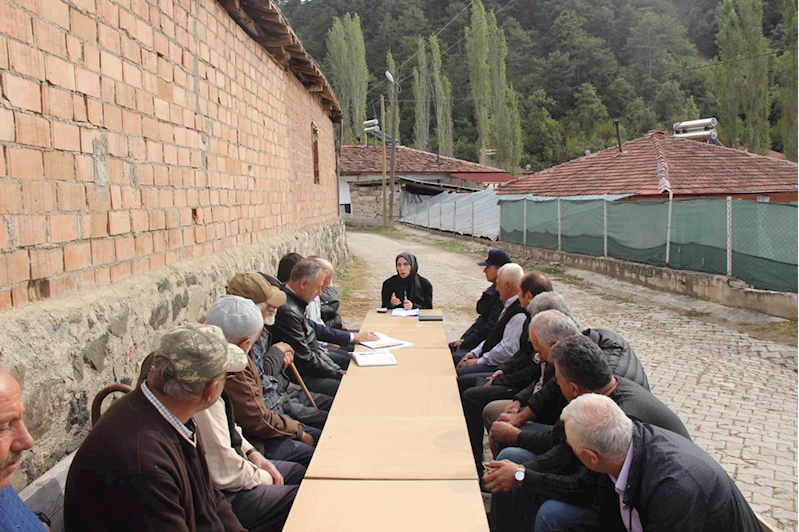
column 383, row 341
column 380, row 357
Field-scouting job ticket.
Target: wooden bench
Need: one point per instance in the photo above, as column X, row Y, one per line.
column 46, row 493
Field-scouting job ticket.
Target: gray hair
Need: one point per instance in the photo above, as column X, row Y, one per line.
column 511, row 272
column 306, row 269
column 549, row 301
column 551, row 326
column 596, row 422
column 161, row 378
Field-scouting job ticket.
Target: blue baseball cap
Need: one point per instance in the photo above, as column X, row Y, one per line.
column 496, row 257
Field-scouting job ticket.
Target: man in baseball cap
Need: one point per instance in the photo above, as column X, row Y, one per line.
column 489, row 306
column 143, row 462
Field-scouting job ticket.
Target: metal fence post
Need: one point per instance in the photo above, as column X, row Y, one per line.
column 668, row 230
column 729, row 236
column 524, row 240
column 440, row 216
column 455, row 217
column 472, row 218
column 560, row 243
column 605, row 217
column 428, row 214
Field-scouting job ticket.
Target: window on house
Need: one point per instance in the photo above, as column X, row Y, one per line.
column 315, row 149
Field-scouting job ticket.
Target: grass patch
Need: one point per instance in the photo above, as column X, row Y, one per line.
column 455, row 247
column 348, row 278
column 560, row 275
column 697, row 313
column 391, row 233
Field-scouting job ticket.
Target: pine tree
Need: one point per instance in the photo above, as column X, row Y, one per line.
column 477, row 50
column 729, row 76
column 349, row 75
column 788, row 81
column 421, row 96
column 756, row 97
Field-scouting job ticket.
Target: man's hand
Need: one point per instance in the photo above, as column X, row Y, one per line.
column 504, row 432
column 395, row 301
column 283, row 346
column 365, row 336
column 518, row 419
column 501, row 476
column 513, row 407
column 407, row 304
column 261, row 462
column 497, row 373
column 288, row 353
column 342, row 372
column 467, row 363
column 457, row 344
column 307, row 439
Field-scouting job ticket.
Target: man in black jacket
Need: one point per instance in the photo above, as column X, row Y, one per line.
column 653, row 479
column 489, row 306
column 580, row 367
column 320, row 373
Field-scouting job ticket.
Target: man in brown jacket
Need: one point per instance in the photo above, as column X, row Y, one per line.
column 278, row 437
column 142, row 467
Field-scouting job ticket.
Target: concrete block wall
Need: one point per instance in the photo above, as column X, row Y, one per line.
column 137, row 133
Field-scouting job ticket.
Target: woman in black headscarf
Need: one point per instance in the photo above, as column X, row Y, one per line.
column 407, row 289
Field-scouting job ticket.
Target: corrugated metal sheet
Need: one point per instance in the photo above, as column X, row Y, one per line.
column 475, row 214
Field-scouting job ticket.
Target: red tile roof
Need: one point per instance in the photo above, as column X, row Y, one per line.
column 485, row 177
column 357, row 160
column 687, row 166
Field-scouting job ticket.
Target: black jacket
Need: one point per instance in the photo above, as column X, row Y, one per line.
column 292, row 328
column 330, row 335
column 420, row 292
column 489, row 307
column 329, row 301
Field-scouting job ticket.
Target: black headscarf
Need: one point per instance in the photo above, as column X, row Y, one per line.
column 410, row 284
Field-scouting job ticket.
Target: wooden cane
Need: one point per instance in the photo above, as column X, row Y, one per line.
column 304, row 388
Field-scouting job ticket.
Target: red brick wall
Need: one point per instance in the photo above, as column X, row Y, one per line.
column 137, row 133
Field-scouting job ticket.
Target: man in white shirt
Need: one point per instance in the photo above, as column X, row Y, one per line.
column 503, row 340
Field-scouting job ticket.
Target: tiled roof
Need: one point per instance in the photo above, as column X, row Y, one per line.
column 485, row 177
column 687, row 166
column 357, row 160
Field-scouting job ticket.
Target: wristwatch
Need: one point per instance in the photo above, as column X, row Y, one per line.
column 519, row 476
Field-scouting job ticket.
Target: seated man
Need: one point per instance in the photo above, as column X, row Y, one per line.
column 272, row 359
column 489, row 306
column 503, row 340
column 277, row 436
column 580, row 368
column 14, row 440
column 320, row 373
column 654, row 479
column 142, row 466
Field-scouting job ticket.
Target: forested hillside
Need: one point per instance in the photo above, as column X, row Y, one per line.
column 570, row 68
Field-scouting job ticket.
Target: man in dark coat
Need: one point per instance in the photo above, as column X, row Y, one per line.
column 489, row 306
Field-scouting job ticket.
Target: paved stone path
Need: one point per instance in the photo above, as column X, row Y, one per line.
column 737, row 395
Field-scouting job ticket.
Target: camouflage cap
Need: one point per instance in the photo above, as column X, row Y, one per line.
column 253, row 286
column 200, row 353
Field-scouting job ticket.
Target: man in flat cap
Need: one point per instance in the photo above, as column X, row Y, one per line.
column 142, row 467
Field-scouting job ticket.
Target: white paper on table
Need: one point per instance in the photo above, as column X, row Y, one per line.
column 381, row 357
column 402, row 313
column 383, row 341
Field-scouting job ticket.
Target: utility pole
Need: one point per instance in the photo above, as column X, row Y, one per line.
column 393, row 148
column 383, row 121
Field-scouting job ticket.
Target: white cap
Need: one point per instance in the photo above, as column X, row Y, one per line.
column 236, row 316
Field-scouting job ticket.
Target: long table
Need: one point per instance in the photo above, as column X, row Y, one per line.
column 394, row 454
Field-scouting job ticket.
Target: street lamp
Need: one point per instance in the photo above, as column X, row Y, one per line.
column 390, row 79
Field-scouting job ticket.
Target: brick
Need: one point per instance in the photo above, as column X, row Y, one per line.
column 32, row 130
column 131, row 123
column 102, row 252
column 125, row 248
column 111, row 66
column 63, row 228
column 87, row 82
column 10, row 198
column 91, row 57
column 58, row 103
column 66, row 137
column 7, row 132
column 77, row 256
column 120, row 271
column 99, row 224
column 109, row 12
column 118, row 222
column 21, row 92
column 19, row 295
column 140, row 220
column 79, row 106
column 132, row 74
column 56, row 12
column 102, row 276
column 5, row 299
column 18, row 266
column 24, row 163
column 59, row 165
column 86, row 5
column 46, row 262
column 87, row 138
column 108, row 38
column 70, row 197
column 74, row 49
column 26, row 60
column 49, row 38
column 31, row 230
column 3, row 54
column 117, row 145
column 82, row 26
column 39, row 196
column 84, row 168
column 3, row 235
column 60, row 73
column 94, row 111
column 112, row 117
column 15, row 23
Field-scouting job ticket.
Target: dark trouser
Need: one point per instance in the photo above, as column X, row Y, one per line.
column 458, row 355
column 265, row 508
column 290, row 450
column 298, row 407
column 476, row 370
column 340, row 357
column 474, row 401
column 324, row 385
column 519, row 511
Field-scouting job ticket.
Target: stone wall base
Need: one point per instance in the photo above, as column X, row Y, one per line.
column 63, row 351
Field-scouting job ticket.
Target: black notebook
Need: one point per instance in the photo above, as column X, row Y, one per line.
column 431, row 318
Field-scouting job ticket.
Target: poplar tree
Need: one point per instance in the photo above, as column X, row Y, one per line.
column 477, row 51
column 391, row 66
column 756, row 97
column 789, row 82
column 728, row 76
column 446, row 105
column 421, row 96
column 349, row 75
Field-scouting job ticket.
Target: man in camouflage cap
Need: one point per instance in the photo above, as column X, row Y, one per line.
column 142, row 466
